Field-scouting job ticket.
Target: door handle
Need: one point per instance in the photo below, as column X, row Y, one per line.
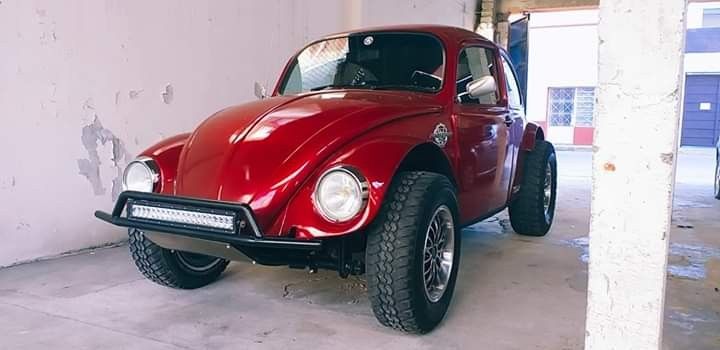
column 509, row 120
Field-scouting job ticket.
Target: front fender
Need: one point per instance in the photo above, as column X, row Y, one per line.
column 377, row 155
column 166, row 154
column 303, row 217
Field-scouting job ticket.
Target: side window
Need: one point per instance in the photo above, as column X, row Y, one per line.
column 512, row 86
column 293, row 85
column 474, row 63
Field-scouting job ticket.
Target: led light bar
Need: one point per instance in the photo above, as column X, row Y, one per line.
column 179, row 216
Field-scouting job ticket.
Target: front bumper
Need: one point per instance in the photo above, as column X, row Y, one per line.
column 244, row 235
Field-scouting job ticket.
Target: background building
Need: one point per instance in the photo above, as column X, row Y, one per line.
column 562, row 74
column 701, row 118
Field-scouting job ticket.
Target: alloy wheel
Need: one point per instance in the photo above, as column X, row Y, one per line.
column 438, row 253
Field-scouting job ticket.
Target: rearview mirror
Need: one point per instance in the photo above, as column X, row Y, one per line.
column 260, row 91
column 481, row 87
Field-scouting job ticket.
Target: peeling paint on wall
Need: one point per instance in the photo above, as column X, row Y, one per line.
column 90, row 167
column 133, row 94
column 48, row 35
column 89, row 104
column 167, row 95
column 7, row 183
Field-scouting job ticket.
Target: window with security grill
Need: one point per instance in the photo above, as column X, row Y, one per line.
column 571, row 106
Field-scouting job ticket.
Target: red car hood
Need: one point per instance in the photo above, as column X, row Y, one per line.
column 260, row 152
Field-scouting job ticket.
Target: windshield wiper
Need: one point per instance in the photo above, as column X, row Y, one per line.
column 376, row 87
column 341, row 86
column 404, row 87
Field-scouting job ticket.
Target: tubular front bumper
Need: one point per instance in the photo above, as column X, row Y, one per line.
column 244, row 234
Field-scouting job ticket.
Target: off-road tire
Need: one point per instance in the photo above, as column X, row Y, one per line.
column 394, row 255
column 527, row 211
column 161, row 265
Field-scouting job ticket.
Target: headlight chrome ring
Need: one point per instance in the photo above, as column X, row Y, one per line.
column 142, row 174
column 341, row 193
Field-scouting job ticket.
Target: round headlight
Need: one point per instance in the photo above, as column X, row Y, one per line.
column 140, row 175
column 340, row 194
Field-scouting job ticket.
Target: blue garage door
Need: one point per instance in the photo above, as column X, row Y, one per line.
column 701, row 126
column 518, row 49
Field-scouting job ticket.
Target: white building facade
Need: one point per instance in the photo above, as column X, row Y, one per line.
column 562, row 74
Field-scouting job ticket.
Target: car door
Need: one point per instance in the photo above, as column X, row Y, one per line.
column 516, row 117
column 483, row 136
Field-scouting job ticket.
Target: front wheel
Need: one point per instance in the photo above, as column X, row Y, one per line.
column 413, row 252
column 172, row 268
column 533, row 210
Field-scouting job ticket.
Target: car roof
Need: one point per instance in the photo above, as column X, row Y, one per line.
column 446, row 33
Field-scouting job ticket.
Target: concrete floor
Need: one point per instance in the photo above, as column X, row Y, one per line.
column 513, row 292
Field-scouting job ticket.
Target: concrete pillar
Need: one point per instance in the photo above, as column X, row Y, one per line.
column 638, row 113
column 486, row 14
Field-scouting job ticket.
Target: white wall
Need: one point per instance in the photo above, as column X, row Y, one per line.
column 456, row 12
column 82, row 86
column 562, row 53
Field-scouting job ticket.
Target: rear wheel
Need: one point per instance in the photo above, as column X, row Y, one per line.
column 413, row 253
column 533, row 210
column 172, row 268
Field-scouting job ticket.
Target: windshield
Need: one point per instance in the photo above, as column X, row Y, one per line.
column 392, row 61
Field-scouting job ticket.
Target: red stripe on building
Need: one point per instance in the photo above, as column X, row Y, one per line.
column 583, row 135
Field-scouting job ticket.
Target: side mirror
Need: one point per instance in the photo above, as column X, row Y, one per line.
column 260, row 91
column 481, row 87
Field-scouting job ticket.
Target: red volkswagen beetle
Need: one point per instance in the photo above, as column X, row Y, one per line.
column 375, row 149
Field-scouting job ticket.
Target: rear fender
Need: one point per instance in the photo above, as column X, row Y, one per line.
column 532, row 133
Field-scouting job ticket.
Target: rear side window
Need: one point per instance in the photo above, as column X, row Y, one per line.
column 475, row 63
